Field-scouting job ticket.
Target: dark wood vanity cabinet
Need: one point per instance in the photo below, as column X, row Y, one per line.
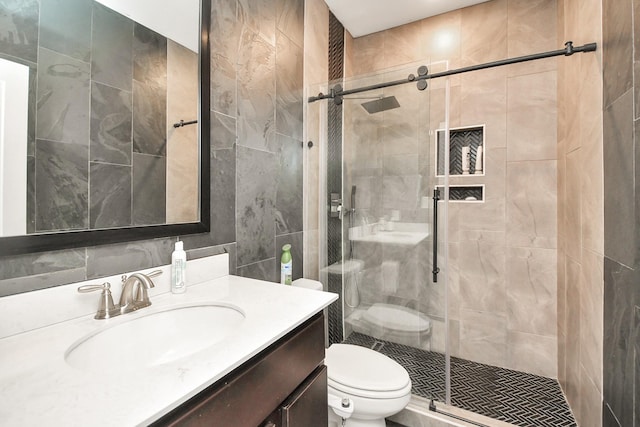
column 283, row 386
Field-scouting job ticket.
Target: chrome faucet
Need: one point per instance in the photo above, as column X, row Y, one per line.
column 134, row 291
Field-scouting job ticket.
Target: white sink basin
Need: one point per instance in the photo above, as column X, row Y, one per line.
column 154, row 339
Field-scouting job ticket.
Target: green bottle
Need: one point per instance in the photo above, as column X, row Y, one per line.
column 286, row 267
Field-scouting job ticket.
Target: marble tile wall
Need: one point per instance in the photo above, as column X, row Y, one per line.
column 257, row 159
column 581, row 214
column 502, row 264
column 621, row 121
column 316, row 70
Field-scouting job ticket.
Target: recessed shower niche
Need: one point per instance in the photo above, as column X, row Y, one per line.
column 464, row 143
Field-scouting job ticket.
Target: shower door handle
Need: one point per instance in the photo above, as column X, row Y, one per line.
column 436, row 270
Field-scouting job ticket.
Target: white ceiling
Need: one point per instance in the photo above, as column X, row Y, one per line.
column 362, row 17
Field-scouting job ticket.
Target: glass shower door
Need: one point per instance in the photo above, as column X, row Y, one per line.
column 389, row 300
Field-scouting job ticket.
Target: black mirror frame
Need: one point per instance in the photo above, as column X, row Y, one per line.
column 31, row 243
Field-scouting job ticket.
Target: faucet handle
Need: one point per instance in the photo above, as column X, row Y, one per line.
column 153, row 273
column 106, row 307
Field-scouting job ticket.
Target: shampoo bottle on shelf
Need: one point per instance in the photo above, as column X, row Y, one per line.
column 178, row 269
column 286, row 266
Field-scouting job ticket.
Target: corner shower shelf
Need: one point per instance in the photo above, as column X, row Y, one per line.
column 464, row 193
column 468, row 136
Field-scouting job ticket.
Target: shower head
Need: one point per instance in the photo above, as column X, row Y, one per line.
column 382, row 104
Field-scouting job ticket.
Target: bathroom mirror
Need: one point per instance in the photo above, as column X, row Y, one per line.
column 104, row 134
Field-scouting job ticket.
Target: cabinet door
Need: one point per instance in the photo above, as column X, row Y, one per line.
column 307, row 406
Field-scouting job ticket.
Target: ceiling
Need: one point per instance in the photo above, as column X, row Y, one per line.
column 362, row 17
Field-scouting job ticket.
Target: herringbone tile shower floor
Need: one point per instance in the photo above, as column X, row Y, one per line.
column 515, row 397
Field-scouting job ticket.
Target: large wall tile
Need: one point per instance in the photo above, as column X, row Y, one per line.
column 484, row 97
column 482, row 272
column 531, row 29
column 441, row 37
column 289, row 87
column 636, row 334
column 149, row 119
column 110, row 195
column 260, row 16
column 112, row 48
column 366, row 53
column 129, row 256
column 223, row 131
column 400, row 192
column 41, row 281
column 316, row 28
column 531, row 291
column 31, row 193
column 532, row 118
column 572, row 226
column 591, row 316
column 225, row 43
column 223, row 201
column 65, row 27
column 42, row 263
column 574, row 286
column 20, row 38
column 62, row 186
column 111, row 120
column 531, row 204
column 535, row 354
column 592, row 182
column 256, row 91
column 619, row 190
column 149, row 189
column 590, row 414
column 261, row 270
column 63, row 98
column 483, row 337
column 290, row 19
column 400, row 46
column 617, row 53
column 255, row 205
column 289, row 186
column 620, row 290
column 484, row 35
column 149, row 56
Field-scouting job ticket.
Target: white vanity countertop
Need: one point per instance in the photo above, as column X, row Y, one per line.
column 38, row 387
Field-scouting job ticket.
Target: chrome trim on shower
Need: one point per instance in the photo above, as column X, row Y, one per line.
column 337, row 93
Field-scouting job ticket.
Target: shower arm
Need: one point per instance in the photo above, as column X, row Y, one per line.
column 337, row 93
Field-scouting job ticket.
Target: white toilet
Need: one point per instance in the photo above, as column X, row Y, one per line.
column 364, row 386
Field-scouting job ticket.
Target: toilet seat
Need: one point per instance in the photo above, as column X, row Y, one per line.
column 350, row 368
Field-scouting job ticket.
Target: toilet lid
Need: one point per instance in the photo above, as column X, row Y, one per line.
column 361, row 368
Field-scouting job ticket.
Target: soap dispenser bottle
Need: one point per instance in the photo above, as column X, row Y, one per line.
column 178, row 269
column 286, row 266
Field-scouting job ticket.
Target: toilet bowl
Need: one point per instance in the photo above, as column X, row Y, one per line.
column 394, row 323
column 369, row 385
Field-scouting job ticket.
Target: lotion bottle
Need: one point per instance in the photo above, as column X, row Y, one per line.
column 178, row 269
